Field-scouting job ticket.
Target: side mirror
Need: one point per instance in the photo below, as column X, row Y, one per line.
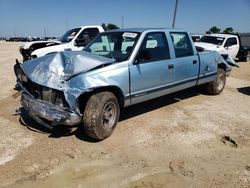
column 80, row 42
column 227, row 45
column 143, row 55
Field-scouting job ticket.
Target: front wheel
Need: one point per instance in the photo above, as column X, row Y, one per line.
column 216, row 87
column 101, row 115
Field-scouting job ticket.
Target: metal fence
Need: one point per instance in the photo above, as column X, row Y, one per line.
column 245, row 40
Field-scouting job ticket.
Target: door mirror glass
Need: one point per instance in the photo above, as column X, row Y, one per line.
column 80, row 42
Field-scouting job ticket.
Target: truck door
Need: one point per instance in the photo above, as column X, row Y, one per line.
column 84, row 38
column 151, row 73
column 232, row 46
column 186, row 63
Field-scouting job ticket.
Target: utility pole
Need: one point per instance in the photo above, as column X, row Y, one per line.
column 175, row 11
column 44, row 30
column 122, row 17
column 67, row 25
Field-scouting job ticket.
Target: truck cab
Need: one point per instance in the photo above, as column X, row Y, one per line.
column 75, row 39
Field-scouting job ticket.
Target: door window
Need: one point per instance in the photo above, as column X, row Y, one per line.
column 154, row 47
column 231, row 42
column 182, row 44
column 86, row 36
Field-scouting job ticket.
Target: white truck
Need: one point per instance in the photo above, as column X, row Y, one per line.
column 224, row 44
column 75, row 39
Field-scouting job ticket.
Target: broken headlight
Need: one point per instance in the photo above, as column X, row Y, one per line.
column 19, row 73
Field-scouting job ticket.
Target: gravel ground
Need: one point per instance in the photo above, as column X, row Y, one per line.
column 180, row 140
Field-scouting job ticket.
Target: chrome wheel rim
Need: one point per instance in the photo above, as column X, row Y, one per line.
column 220, row 82
column 109, row 114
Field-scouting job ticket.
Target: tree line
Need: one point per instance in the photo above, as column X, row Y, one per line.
column 215, row 29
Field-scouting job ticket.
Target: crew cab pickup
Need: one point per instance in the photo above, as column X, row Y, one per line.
column 224, row 44
column 74, row 39
column 117, row 69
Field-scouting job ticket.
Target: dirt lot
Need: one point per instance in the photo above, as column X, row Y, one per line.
column 173, row 141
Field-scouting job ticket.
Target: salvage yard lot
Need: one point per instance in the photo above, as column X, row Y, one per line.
column 180, row 140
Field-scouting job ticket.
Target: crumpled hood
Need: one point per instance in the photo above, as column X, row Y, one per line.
column 206, row 46
column 51, row 69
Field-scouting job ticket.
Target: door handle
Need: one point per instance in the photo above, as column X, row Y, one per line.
column 194, row 61
column 171, row 66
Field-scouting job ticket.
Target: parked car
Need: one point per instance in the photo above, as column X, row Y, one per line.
column 117, row 69
column 17, row 39
column 225, row 44
column 74, row 39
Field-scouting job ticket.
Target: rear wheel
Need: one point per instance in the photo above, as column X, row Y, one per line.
column 101, row 115
column 216, row 87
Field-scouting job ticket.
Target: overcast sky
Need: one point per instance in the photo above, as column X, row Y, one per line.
column 30, row 17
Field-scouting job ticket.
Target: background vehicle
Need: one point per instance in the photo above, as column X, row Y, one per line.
column 196, row 37
column 225, row 44
column 117, row 69
column 74, row 39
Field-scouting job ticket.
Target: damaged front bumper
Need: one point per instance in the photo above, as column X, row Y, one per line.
column 42, row 111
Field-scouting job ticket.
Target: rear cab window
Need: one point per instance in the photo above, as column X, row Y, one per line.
column 231, row 42
column 182, row 44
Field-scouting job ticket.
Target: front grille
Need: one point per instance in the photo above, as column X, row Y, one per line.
column 52, row 96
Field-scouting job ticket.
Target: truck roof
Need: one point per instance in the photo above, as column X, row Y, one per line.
column 222, row 35
column 89, row 26
column 140, row 30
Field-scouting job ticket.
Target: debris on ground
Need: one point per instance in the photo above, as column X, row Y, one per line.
column 177, row 168
column 228, row 139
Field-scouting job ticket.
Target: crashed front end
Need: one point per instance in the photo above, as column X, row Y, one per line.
column 45, row 105
column 51, row 85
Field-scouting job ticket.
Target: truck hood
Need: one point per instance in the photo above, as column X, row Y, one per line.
column 28, row 44
column 207, row 46
column 54, row 68
column 50, row 49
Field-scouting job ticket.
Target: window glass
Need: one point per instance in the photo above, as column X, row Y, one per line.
column 86, row 36
column 117, row 45
column 154, row 47
column 231, row 41
column 212, row 39
column 69, row 35
column 182, row 44
column 90, row 32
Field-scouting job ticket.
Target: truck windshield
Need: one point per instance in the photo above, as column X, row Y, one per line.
column 69, row 35
column 117, row 45
column 212, row 39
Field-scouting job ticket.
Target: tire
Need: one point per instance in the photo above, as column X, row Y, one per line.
column 101, row 115
column 216, row 87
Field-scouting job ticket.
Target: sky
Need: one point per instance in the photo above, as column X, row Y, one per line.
column 35, row 17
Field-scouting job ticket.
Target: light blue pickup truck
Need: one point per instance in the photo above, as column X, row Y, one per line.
column 117, row 69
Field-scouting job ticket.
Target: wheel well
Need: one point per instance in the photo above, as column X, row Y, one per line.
column 222, row 66
column 83, row 98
